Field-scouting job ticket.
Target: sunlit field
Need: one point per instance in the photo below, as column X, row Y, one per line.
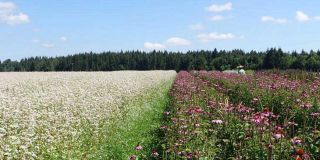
column 160, row 115
column 68, row 115
column 265, row 115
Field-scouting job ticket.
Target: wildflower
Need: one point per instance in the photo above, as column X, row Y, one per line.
column 254, row 100
column 217, row 121
column 174, row 120
column 154, row 153
column 306, row 106
column 183, row 132
column 198, row 110
column 261, row 118
column 304, row 94
column 306, row 156
column 189, row 156
column 212, row 104
column 197, row 125
column 278, row 128
column 138, row 147
column 296, row 141
column 182, row 140
column 315, row 114
column 166, row 113
column 278, row 135
column 257, row 120
column 266, row 112
column 195, row 110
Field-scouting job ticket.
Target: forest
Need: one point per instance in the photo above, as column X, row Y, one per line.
column 273, row 58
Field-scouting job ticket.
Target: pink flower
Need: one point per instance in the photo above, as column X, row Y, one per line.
column 306, row 106
column 138, row 147
column 195, row 110
column 259, row 119
column 278, row 135
column 256, row 120
column 304, row 94
column 296, row 141
column 278, row 128
column 212, row 104
column 266, row 112
column 189, row 156
column 315, row 114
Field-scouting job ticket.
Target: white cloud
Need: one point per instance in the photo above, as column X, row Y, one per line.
column 317, row 18
column 177, row 41
column 274, row 20
column 217, row 18
column 14, row 19
column 197, row 27
column 302, row 17
column 217, row 36
column 63, row 38
column 155, row 46
column 220, row 7
column 9, row 15
column 7, row 7
column 47, row 45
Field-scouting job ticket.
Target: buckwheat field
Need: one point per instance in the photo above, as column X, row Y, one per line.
column 66, row 115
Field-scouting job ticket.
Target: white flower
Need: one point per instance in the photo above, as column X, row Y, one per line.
column 217, row 121
column 48, row 109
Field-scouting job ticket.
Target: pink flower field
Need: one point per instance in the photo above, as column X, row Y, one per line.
column 266, row 115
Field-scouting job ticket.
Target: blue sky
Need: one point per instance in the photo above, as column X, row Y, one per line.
column 52, row 28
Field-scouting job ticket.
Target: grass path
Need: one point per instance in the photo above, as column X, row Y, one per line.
column 140, row 126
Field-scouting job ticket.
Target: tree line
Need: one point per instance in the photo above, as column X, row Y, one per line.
column 274, row 58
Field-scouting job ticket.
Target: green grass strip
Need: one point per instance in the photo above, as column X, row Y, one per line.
column 140, row 126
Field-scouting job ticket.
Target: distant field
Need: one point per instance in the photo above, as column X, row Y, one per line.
column 67, row 115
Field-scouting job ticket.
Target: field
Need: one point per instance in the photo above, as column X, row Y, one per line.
column 160, row 115
column 266, row 115
column 72, row 115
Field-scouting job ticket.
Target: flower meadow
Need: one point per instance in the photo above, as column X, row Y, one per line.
column 72, row 115
column 160, row 115
column 266, row 115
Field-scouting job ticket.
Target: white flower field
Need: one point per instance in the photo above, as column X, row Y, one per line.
column 46, row 113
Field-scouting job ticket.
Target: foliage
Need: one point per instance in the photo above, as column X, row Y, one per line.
column 163, row 60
